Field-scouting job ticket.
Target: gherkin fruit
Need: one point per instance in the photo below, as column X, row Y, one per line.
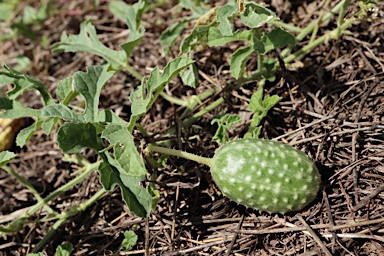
column 265, row 175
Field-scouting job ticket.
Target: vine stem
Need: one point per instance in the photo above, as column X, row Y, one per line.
column 65, row 216
column 179, row 153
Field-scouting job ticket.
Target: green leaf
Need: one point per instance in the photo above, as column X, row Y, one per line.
column 170, row 34
column 22, row 83
column 126, row 159
column 15, row 226
column 215, row 38
column 143, row 97
column 66, row 91
column 108, row 116
column 224, row 122
column 64, row 250
column 72, row 137
column 194, row 38
column 195, row 7
column 87, row 41
column 25, row 134
column 130, row 239
column 132, row 18
column 14, row 109
column 239, row 59
column 136, row 197
column 224, row 17
column 260, row 107
column 89, row 85
column 49, row 124
column 256, row 15
column 190, row 76
column 118, row 8
column 277, row 38
column 62, row 112
column 6, row 156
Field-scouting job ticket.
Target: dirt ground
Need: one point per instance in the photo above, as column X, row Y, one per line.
column 332, row 108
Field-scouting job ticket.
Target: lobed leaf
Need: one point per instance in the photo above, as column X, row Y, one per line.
column 64, row 249
column 72, row 137
column 260, row 107
column 5, row 157
column 170, row 34
column 130, row 239
column 190, row 76
column 66, row 91
column 89, row 85
column 118, row 8
column 224, row 122
column 195, row 37
column 143, row 97
column 256, row 15
column 62, row 112
column 126, row 159
column 132, row 18
column 87, row 41
column 215, row 38
column 277, row 38
column 136, row 197
column 14, row 109
column 224, row 18
column 22, row 83
column 239, row 59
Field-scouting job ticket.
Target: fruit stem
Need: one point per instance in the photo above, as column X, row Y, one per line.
column 179, row 153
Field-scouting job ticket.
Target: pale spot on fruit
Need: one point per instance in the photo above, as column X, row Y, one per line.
column 275, row 200
column 295, row 196
column 285, row 167
column 273, row 155
column 232, row 180
column 233, row 165
column 266, row 154
column 253, row 168
column 304, row 188
column 248, row 178
column 262, row 198
column 267, row 180
column 259, row 173
column 263, row 164
column 249, row 195
column 285, row 200
column 280, row 174
column 296, row 163
column 271, row 171
column 253, row 186
column 277, row 162
column 299, row 176
column 240, row 189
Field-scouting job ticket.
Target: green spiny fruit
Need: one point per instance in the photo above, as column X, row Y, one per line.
column 265, row 175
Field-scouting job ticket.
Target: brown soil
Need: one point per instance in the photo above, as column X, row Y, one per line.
column 331, row 108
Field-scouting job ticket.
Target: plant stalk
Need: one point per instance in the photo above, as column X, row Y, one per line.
column 179, row 153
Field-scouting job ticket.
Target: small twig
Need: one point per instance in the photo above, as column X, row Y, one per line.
column 146, row 237
column 304, row 127
column 314, row 236
column 235, row 237
column 196, row 248
column 366, row 199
